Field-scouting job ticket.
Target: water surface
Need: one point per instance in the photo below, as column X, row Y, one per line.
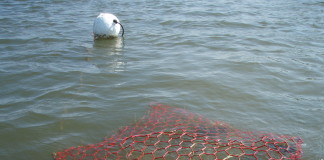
column 257, row 65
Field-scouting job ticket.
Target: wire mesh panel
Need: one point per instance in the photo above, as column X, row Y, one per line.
column 168, row 133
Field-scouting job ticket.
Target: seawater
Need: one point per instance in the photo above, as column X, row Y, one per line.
column 255, row 64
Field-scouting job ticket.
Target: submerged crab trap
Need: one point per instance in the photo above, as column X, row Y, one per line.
column 167, row 133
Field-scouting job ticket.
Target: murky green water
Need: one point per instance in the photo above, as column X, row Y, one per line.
column 257, row 65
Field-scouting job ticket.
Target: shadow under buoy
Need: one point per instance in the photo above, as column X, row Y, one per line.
column 111, row 46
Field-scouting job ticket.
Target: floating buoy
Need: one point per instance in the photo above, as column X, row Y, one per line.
column 106, row 26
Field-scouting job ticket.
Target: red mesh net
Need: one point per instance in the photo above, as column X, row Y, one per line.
column 174, row 133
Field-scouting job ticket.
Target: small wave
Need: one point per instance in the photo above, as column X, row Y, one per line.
column 50, row 39
column 17, row 40
column 231, row 24
column 267, row 42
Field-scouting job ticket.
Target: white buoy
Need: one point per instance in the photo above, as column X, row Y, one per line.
column 106, row 25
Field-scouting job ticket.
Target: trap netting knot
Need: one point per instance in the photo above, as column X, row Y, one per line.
column 167, row 133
